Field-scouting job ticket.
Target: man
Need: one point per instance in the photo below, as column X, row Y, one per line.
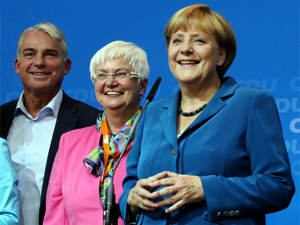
column 34, row 123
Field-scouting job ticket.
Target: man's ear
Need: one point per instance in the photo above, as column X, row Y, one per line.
column 17, row 66
column 68, row 64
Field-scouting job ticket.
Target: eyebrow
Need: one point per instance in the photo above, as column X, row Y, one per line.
column 178, row 34
column 46, row 50
column 117, row 70
column 27, row 49
column 51, row 50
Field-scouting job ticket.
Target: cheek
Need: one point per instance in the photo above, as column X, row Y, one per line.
column 171, row 61
column 133, row 92
column 172, row 54
column 173, row 66
column 172, row 58
column 98, row 95
column 22, row 67
column 98, row 88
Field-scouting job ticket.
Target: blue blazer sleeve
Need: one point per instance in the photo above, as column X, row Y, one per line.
column 270, row 187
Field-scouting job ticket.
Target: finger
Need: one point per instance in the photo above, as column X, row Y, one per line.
column 137, row 200
column 168, row 201
column 162, row 192
column 174, row 207
column 158, row 176
column 164, row 182
column 146, row 204
column 171, row 174
column 144, row 183
column 143, row 188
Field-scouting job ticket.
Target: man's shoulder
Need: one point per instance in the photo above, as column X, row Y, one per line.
column 8, row 108
column 11, row 104
column 81, row 105
column 7, row 111
column 85, row 114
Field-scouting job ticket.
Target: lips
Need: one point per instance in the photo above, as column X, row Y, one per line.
column 39, row 74
column 113, row 93
column 188, row 62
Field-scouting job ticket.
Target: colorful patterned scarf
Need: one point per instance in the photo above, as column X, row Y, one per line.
column 101, row 160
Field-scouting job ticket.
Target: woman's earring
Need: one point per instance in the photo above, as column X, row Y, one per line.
column 142, row 95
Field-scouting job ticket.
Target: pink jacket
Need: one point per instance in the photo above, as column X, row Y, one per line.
column 73, row 192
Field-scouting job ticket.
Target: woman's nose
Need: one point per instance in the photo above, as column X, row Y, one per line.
column 186, row 48
column 111, row 80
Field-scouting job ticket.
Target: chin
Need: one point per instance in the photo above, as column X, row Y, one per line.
column 114, row 106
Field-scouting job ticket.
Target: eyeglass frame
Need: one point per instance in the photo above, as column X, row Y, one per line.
column 107, row 75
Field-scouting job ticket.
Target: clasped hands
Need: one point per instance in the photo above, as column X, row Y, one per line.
column 184, row 189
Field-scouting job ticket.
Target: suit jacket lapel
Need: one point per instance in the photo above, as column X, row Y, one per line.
column 169, row 117
column 66, row 121
column 168, row 120
column 217, row 102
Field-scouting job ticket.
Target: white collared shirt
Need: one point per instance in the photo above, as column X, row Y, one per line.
column 29, row 139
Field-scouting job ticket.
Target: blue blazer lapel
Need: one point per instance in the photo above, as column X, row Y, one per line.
column 217, row 102
column 168, row 120
column 169, row 117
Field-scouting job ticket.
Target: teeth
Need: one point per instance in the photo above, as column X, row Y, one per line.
column 188, row 62
column 113, row 93
column 39, row 74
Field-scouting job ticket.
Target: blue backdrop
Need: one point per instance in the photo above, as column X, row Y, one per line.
column 267, row 35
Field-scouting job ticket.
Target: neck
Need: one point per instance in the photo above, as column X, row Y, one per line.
column 116, row 118
column 34, row 103
column 203, row 91
column 195, row 96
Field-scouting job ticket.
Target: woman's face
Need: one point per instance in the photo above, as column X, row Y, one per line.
column 115, row 94
column 194, row 56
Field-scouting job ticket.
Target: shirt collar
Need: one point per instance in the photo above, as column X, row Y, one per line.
column 53, row 105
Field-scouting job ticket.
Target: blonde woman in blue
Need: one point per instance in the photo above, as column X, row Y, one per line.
column 214, row 153
column 9, row 203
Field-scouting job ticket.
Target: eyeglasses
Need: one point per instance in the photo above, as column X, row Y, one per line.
column 119, row 76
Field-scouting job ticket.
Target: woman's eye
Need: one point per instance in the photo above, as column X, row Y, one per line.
column 176, row 40
column 121, row 74
column 102, row 75
column 199, row 40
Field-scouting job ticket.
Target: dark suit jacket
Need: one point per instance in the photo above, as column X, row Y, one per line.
column 72, row 114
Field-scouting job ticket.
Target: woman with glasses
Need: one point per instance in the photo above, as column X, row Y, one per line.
column 214, row 153
column 83, row 167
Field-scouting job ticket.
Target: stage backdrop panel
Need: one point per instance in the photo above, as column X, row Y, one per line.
column 267, row 35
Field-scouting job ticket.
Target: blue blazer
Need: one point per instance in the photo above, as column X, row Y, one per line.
column 235, row 146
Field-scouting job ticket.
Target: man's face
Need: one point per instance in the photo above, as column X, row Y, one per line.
column 41, row 66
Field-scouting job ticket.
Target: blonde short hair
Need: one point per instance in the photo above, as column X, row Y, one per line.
column 203, row 18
